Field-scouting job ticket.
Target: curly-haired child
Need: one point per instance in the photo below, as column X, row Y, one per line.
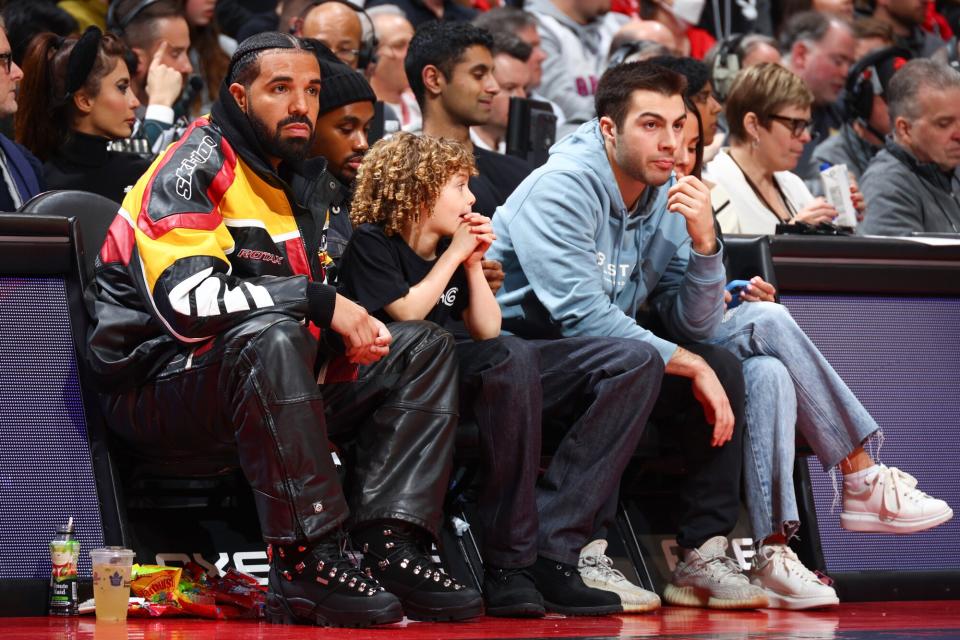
column 412, row 197
column 416, row 252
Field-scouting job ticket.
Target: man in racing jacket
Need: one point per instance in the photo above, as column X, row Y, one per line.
column 213, row 328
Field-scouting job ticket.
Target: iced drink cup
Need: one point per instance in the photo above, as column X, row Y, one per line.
column 111, row 582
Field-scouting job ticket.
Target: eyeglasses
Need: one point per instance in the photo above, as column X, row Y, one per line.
column 6, row 60
column 347, row 55
column 797, row 126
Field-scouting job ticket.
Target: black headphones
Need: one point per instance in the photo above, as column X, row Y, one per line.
column 118, row 27
column 726, row 66
column 863, row 83
column 368, row 47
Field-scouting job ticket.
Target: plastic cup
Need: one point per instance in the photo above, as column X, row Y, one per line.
column 111, row 582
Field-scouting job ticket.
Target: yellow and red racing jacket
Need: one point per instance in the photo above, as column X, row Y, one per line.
column 207, row 237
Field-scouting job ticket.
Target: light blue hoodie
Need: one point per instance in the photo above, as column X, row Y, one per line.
column 577, row 263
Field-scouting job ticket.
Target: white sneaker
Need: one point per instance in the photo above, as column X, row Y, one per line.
column 888, row 501
column 708, row 577
column 788, row 584
column 596, row 570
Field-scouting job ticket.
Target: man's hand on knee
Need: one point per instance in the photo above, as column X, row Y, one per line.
column 707, row 390
column 716, row 406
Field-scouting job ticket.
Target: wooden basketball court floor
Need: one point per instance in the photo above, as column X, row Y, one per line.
column 873, row 621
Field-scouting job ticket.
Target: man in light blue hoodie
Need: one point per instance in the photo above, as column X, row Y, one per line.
column 604, row 229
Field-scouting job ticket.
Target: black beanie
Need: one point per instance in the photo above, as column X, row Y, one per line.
column 340, row 85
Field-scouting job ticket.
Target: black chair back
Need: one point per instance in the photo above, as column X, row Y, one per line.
column 94, row 214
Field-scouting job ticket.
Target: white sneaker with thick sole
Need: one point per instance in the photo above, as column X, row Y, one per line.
column 596, row 570
column 888, row 501
column 788, row 584
column 708, row 577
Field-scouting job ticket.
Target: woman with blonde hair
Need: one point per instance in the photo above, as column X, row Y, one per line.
column 768, row 112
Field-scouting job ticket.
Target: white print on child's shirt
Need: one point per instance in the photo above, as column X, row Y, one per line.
column 449, row 297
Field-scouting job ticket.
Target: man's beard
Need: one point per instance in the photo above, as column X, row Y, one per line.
column 274, row 145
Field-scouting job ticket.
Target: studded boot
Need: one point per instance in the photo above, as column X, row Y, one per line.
column 397, row 554
column 320, row 585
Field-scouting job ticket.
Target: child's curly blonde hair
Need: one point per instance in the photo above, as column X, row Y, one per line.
column 401, row 177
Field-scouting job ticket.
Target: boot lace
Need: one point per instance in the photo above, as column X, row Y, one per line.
column 601, row 566
column 407, row 550
column 328, row 560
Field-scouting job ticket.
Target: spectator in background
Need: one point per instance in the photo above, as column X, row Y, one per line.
column 871, row 34
column 87, row 13
column 819, row 49
column 906, row 18
column 681, row 20
column 644, row 31
column 421, row 11
column 336, row 24
column 22, row 175
column 206, row 55
column 768, row 112
column 450, row 67
column 77, row 98
column 910, row 185
column 389, row 78
column 24, row 20
column 725, row 61
column 346, row 111
column 523, row 25
column 865, row 110
column 159, row 37
column 512, row 73
column 746, row 50
column 575, row 36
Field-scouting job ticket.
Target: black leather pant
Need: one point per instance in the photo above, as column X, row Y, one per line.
column 253, row 395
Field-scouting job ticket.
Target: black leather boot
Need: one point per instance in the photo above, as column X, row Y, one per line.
column 564, row 591
column 320, row 585
column 397, row 554
column 510, row 593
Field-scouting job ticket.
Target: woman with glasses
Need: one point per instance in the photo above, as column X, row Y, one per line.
column 75, row 98
column 768, row 112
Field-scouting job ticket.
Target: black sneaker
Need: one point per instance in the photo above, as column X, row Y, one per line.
column 320, row 585
column 510, row 593
column 397, row 555
column 564, row 591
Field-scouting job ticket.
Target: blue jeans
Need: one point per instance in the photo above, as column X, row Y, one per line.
column 790, row 386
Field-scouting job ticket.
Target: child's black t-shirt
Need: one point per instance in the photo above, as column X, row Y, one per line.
column 377, row 269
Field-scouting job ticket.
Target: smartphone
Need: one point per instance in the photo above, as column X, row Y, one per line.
column 735, row 287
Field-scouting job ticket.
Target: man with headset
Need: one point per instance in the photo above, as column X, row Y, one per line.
column 867, row 119
column 911, row 184
column 158, row 36
column 336, row 24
